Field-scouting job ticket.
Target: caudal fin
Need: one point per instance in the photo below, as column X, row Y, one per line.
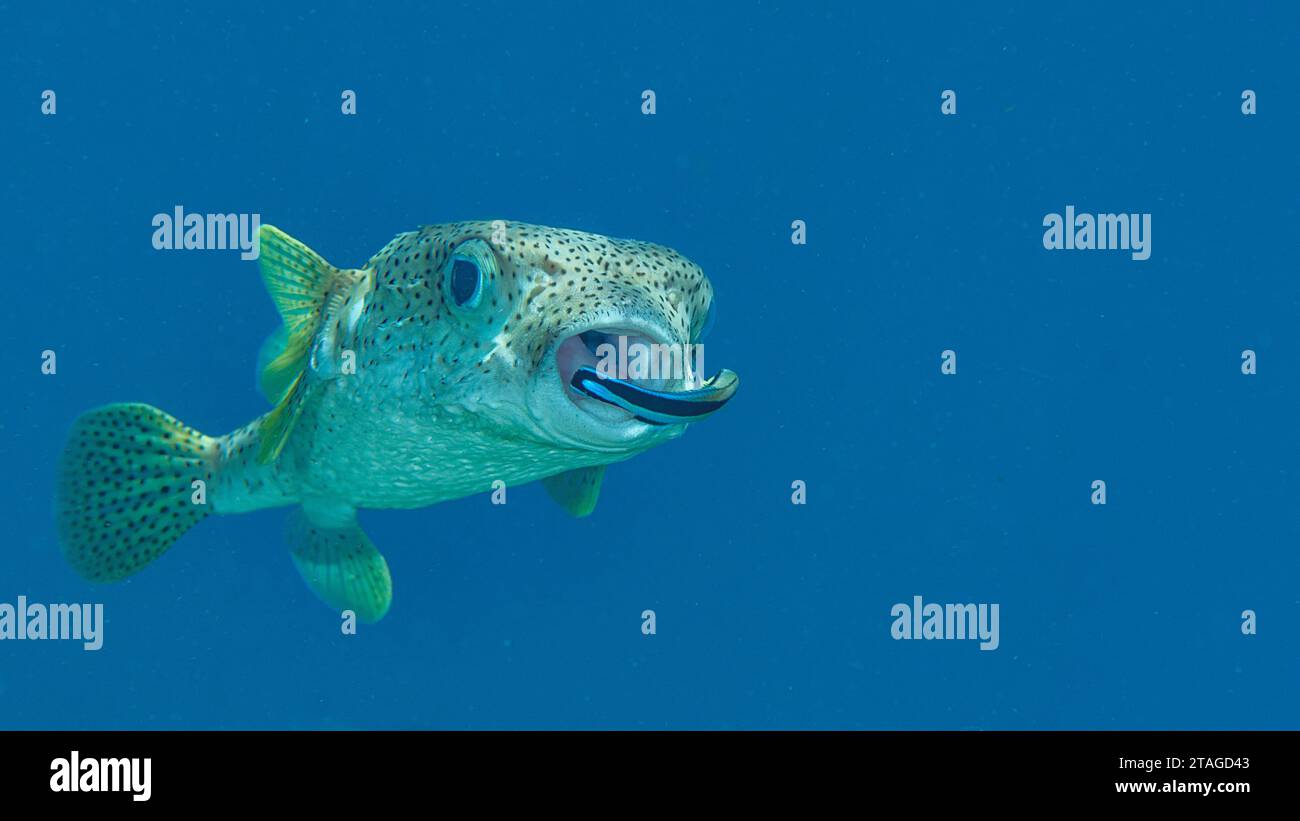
column 125, row 488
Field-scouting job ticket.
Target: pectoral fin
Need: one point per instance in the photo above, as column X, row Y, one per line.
column 576, row 490
column 299, row 281
column 278, row 424
column 340, row 564
column 272, row 383
column 305, row 288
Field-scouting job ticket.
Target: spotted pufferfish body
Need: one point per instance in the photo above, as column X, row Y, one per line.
column 435, row 371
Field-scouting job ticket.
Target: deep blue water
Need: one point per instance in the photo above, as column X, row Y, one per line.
column 924, row 234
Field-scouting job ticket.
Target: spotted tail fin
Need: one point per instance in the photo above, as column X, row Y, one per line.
column 126, row 488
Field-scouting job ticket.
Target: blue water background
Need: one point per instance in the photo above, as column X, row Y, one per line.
column 924, row 234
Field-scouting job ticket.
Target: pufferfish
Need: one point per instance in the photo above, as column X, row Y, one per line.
column 458, row 357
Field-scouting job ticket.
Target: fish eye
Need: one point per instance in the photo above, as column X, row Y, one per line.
column 466, row 281
column 470, row 275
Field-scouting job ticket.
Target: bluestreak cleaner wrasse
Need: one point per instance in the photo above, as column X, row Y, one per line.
column 457, row 356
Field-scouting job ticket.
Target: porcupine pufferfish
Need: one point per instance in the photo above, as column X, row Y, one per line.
column 473, row 359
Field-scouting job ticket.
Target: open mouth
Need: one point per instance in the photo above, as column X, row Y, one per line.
column 599, row 371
